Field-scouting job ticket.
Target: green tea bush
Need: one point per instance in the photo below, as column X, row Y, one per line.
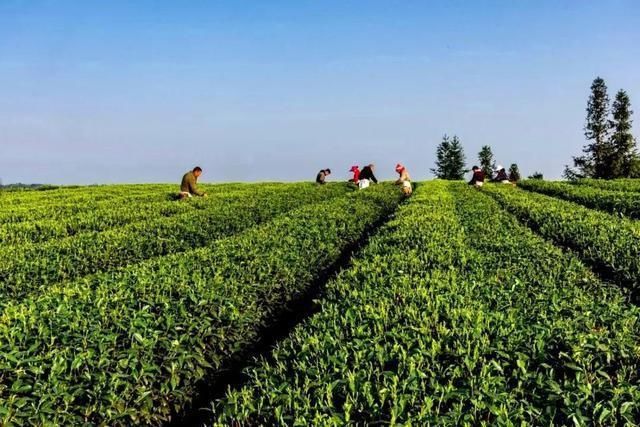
column 624, row 203
column 128, row 347
column 609, row 243
column 454, row 314
column 26, row 267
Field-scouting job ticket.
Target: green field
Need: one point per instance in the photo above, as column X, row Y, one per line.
column 296, row 304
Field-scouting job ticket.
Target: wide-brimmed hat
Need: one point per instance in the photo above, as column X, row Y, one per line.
column 353, row 168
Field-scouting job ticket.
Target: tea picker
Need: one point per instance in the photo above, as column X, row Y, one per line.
column 366, row 176
column 322, row 176
column 477, row 179
column 189, row 185
column 404, row 180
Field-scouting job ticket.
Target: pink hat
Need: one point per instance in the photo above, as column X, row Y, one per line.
column 399, row 167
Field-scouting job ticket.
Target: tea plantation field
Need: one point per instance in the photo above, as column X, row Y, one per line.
column 296, row 304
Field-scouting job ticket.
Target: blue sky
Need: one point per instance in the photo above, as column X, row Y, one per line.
column 121, row 91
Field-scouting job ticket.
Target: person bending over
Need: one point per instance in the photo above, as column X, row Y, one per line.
column 477, row 179
column 366, row 176
column 189, row 185
column 322, row 176
column 404, row 180
column 501, row 176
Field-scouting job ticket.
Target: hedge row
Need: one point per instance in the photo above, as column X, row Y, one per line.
column 451, row 317
column 128, row 347
column 620, row 202
column 26, row 267
column 624, row 184
column 609, row 243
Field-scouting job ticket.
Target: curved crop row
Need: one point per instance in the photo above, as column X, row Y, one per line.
column 609, row 243
column 453, row 319
column 128, row 347
column 25, row 267
column 625, row 184
column 625, row 203
column 115, row 215
column 80, row 195
column 106, row 192
column 68, row 220
column 62, row 207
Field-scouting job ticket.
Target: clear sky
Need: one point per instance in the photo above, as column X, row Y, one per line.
column 140, row 91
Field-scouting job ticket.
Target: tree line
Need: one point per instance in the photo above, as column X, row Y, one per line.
column 610, row 152
column 611, row 149
column 451, row 161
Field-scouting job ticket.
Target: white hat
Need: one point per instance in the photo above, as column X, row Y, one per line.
column 499, row 168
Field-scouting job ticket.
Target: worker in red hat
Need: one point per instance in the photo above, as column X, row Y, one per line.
column 404, row 180
column 356, row 174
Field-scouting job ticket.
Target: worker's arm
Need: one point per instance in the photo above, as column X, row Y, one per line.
column 193, row 188
column 373, row 178
column 197, row 192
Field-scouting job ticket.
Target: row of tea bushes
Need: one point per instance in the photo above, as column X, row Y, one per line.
column 454, row 314
column 128, row 347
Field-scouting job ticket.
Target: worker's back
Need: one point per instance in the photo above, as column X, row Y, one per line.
column 188, row 182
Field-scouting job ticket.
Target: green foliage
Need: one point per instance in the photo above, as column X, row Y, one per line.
column 629, row 185
column 605, row 241
column 593, row 164
column 456, row 312
column 25, row 267
column 452, row 318
column 128, row 347
column 623, row 145
column 536, row 175
column 487, row 164
column 450, row 159
column 611, row 152
column 623, row 203
column 514, row 173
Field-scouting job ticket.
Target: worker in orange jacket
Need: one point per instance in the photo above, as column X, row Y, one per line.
column 404, row 180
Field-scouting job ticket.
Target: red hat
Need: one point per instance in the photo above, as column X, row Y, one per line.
column 353, row 168
column 399, row 167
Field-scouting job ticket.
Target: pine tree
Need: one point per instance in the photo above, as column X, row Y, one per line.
column 450, row 159
column 485, row 157
column 623, row 145
column 594, row 162
column 514, row 173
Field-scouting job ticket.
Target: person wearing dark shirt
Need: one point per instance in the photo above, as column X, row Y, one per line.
column 501, row 176
column 322, row 176
column 366, row 176
column 478, row 177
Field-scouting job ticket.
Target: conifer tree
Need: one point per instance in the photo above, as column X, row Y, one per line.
column 485, row 157
column 450, row 159
column 623, row 146
column 514, row 173
column 594, row 162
